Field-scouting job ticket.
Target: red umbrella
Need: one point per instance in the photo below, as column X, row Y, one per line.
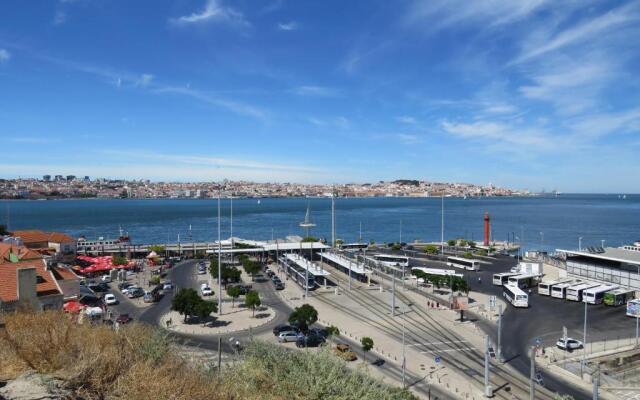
column 72, row 307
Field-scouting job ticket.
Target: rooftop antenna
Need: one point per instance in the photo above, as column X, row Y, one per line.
column 307, row 224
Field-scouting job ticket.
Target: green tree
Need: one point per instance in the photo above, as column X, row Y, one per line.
column 119, row 260
column 467, row 254
column 250, row 267
column 185, row 302
column 458, row 284
column 372, row 242
column 252, row 301
column 333, row 330
column 431, row 249
column 228, row 273
column 204, row 308
column 481, row 252
column 158, row 249
column 367, row 345
column 396, row 247
column 451, row 242
column 463, row 243
column 309, row 239
column 472, row 244
column 303, row 316
column 154, row 280
column 234, row 293
column 339, row 242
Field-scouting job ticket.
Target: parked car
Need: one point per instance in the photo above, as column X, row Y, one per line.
column 89, row 300
column 310, row 340
column 288, row 336
column 283, row 328
column 275, row 278
column 269, row 272
column 319, row 332
column 124, row 319
column 569, row 344
column 148, row 297
column 129, row 288
column 136, row 292
column 124, row 285
column 279, row 285
column 344, row 351
column 205, row 290
column 168, row 285
column 98, row 288
column 105, row 278
column 201, row 270
column 110, row 299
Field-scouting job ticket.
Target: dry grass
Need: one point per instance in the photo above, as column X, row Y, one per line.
column 139, row 362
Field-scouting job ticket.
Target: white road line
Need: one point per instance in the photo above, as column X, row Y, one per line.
column 447, row 350
column 431, row 343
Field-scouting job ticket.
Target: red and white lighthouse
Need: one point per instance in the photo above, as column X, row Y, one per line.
column 487, row 229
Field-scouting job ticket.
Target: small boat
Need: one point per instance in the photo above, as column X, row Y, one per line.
column 258, row 201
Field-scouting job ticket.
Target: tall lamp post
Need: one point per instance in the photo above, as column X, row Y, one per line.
column 219, row 260
column 580, row 243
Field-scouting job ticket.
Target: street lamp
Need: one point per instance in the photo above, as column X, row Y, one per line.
column 541, row 240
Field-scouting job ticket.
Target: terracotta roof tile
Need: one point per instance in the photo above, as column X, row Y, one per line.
column 8, row 280
column 36, row 236
column 64, row 273
column 10, row 251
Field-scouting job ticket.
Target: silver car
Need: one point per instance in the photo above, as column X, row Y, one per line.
column 288, row 336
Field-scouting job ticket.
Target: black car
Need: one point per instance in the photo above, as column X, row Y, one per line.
column 319, row 332
column 275, row 278
column 310, row 340
column 279, row 285
column 124, row 285
column 97, row 288
column 283, row 328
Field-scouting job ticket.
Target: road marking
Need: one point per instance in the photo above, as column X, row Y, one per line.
column 430, row 343
column 447, row 350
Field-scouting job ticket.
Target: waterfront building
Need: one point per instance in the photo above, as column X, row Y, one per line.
column 610, row 265
column 59, row 246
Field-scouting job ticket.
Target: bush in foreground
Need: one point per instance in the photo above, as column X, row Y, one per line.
column 139, row 362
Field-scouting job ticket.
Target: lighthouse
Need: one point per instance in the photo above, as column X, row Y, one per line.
column 487, row 228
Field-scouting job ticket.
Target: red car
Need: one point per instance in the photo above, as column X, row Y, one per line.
column 124, row 319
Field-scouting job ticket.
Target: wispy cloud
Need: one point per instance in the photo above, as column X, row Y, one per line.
column 315, row 91
column 491, row 133
column 213, row 12
column 4, row 55
column 333, row 122
column 32, row 140
column 405, row 119
column 59, row 18
column 288, row 26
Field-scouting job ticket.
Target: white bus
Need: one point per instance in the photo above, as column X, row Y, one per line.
column 574, row 293
column 464, row 263
column 596, row 295
column 391, row 260
column 544, row 288
column 559, row 291
column 436, row 271
column 523, row 281
column 502, row 278
column 515, row 296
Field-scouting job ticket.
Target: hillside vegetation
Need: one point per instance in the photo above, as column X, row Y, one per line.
column 139, row 362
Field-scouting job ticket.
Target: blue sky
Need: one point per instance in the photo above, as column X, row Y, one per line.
column 526, row 94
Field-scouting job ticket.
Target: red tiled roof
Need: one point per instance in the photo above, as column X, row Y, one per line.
column 9, row 276
column 62, row 273
column 35, row 236
column 21, row 253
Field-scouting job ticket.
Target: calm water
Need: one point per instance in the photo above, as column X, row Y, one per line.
column 547, row 222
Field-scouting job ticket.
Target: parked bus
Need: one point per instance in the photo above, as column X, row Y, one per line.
column 354, row 246
column 618, row 297
column 523, row 281
column 391, row 260
column 559, row 291
column 436, row 271
column 633, row 308
column 574, row 293
column 502, row 278
column 464, row 263
column 516, row 296
column 544, row 288
column 596, row 295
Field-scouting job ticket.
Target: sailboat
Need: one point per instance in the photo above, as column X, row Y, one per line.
column 306, row 224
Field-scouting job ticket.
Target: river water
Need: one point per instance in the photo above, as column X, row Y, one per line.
column 539, row 222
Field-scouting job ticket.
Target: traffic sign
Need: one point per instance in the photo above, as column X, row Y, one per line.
column 438, row 359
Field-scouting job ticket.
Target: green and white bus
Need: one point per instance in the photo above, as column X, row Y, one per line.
column 618, row 297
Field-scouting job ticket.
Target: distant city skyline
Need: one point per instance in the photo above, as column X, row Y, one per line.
column 532, row 94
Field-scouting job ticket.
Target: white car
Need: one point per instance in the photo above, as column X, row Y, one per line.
column 205, row 290
column 105, row 278
column 167, row 285
column 110, row 299
column 569, row 344
column 288, row 336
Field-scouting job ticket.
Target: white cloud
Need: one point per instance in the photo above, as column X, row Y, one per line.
column 603, row 124
column 407, row 138
column 315, row 91
column 212, row 12
column 59, row 18
column 592, row 29
column 492, row 133
column 333, row 122
column 289, row 26
column 4, row 55
column 405, row 119
column 145, row 80
column 32, row 140
column 500, row 108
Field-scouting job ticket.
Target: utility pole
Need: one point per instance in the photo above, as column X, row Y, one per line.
column 306, row 275
column 404, row 357
column 499, row 349
column 532, row 382
column 584, row 339
column 488, row 390
column 219, row 260
column 400, row 233
column 442, row 225
column 596, row 384
column 393, row 293
column 580, row 243
column 637, row 319
column 333, row 217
